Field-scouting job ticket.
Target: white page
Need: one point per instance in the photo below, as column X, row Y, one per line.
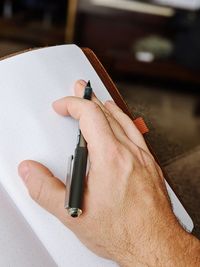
column 19, row 245
column 30, row 129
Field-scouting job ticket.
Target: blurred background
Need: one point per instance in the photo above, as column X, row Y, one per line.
column 151, row 49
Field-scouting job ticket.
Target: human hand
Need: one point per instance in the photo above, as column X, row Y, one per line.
column 127, row 216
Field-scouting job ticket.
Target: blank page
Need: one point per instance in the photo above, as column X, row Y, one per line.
column 19, row 245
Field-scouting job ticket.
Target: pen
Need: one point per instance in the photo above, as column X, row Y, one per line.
column 76, row 190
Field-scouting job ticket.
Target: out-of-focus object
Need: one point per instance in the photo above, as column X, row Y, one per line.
column 112, row 28
column 152, row 47
column 186, row 4
column 187, row 40
column 31, row 23
column 136, row 6
column 50, row 11
column 7, row 9
column 71, row 19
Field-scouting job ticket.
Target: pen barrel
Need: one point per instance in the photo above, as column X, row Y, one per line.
column 78, row 178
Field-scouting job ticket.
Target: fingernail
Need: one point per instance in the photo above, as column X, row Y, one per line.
column 24, row 171
column 82, row 82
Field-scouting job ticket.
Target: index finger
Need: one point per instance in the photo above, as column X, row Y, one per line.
column 92, row 121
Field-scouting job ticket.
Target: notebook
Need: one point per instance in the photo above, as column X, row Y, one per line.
column 30, row 129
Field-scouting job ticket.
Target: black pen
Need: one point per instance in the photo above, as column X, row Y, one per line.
column 76, row 190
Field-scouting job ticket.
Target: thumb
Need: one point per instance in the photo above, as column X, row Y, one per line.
column 43, row 187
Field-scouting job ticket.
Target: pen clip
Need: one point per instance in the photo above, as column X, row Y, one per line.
column 68, row 181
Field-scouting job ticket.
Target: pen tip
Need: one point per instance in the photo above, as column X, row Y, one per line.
column 88, row 84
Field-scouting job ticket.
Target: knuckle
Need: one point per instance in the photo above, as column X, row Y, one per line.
column 128, row 161
column 114, row 152
column 93, row 106
column 150, row 198
column 146, row 159
column 38, row 192
column 122, row 158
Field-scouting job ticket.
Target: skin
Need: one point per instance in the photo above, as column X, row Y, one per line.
column 127, row 216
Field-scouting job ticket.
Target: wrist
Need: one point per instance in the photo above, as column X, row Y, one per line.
column 176, row 248
column 190, row 251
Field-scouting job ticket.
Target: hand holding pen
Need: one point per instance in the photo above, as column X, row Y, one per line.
column 127, row 214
